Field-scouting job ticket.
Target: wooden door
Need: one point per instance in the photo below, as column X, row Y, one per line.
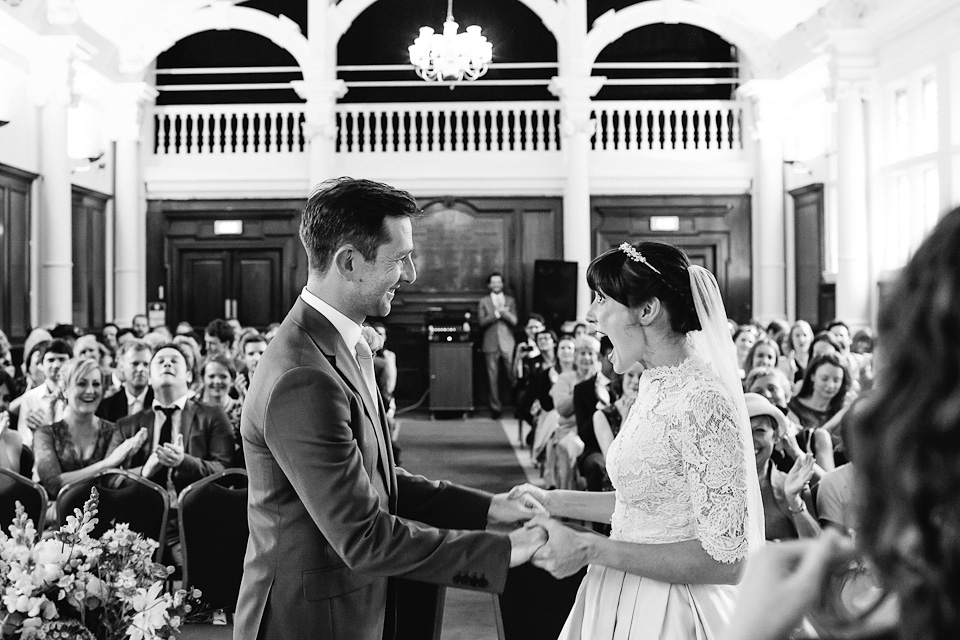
column 15, row 252
column 808, row 240
column 241, row 283
column 204, row 286
column 256, row 286
column 89, row 258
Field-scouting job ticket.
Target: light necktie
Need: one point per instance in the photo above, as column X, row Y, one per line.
column 365, row 360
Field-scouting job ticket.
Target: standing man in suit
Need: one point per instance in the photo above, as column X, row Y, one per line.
column 135, row 394
column 498, row 317
column 332, row 520
column 186, row 440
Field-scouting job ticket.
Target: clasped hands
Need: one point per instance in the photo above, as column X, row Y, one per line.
column 547, row 543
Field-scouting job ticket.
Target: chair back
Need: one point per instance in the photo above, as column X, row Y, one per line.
column 213, row 535
column 124, row 497
column 16, row 488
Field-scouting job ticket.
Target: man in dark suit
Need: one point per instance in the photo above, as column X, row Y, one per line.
column 332, row 520
column 135, row 394
column 186, row 440
column 498, row 317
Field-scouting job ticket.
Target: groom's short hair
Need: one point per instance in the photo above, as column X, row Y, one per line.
column 350, row 211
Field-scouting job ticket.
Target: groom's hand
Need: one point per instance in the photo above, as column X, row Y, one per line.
column 565, row 552
column 524, row 542
column 503, row 510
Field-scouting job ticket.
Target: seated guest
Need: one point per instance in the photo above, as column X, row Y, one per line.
column 86, row 346
column 773, row 385
column 744, row 339
column 133, row 367
column 797, row 355
column 607, row 421
column 252, row 346
column 566, row 446
column 836, row 496
column 11, row 444
column 218, row 377
column 139, row 325
column 589, row 395
column 526, row 353
column 764, row 353
column 787, row 501
column 819, row 405
column 529, row 405
column 186, row 440
column 108, row 337
column 191, row 351
column 76, row 447
column 44, row 404
column 125, row 334
column 218, row 338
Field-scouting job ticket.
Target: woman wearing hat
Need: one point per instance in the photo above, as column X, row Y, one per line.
column 787, row 503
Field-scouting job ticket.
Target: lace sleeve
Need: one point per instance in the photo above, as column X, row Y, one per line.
column 713, row 461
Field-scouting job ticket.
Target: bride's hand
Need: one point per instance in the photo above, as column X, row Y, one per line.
column 531, row 496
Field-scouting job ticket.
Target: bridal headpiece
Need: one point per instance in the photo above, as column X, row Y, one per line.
column 636, row 256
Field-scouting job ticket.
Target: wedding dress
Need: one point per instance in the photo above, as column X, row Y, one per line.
column 678, row 469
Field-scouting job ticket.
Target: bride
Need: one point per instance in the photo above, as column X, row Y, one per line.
column 687, row 509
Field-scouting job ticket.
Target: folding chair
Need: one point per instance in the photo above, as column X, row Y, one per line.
column 16, row 488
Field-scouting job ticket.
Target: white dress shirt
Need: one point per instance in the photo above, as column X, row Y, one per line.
column 349, row 330
column 159, row 417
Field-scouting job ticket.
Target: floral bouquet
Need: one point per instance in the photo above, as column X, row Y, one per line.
column 74, row 586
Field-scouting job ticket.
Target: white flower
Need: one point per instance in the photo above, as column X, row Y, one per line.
column 151, row 612
column 50, row 557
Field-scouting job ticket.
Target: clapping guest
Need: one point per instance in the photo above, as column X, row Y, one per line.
column 788, row 505
column 191, row 351
column 76, row 447
column 44, row 404
column 218, row 375
column 218, row 337
column 252, row 346
column 186, row 440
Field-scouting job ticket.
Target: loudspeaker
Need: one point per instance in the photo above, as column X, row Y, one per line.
column 555, row 291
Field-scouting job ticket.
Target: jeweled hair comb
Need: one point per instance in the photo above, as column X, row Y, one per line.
column 636, row 256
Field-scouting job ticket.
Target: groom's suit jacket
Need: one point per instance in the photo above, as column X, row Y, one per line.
column 332, row 521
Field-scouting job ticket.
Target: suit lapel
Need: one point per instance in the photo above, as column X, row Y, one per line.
column 348, row 367
column 343, row 359
column 186, row 421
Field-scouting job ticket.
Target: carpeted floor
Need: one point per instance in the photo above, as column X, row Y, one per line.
column 474, row 452
column 477, row 453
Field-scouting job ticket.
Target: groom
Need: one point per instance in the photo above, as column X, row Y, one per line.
column 332, row 520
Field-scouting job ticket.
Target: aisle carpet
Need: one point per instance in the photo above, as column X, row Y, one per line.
column 474, row 452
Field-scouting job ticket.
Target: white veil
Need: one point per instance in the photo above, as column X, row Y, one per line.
column 713, row 344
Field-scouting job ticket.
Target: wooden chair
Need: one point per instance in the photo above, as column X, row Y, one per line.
column 124, row 497
column 16, row 488
column 213, row 535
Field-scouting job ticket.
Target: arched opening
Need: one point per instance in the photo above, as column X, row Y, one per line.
column 232, row 66
column 668, row 62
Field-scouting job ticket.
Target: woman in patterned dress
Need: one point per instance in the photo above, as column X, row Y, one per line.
column 686, row 508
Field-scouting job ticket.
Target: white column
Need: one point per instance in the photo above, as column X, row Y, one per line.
column 768, row 227
column 577, row 128
column 854, row 286
column 130, row 224
column 51, row 74
column 320, row 128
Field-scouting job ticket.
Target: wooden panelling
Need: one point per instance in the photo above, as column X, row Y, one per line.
column 713, row 230
column 15, row 252
column 89, row 235
column 809, row 238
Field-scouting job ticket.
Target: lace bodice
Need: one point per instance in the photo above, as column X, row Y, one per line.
column 678, row 465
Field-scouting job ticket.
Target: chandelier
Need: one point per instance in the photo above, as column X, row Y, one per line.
column 451, row 56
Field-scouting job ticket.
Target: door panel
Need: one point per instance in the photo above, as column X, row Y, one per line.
column 256, row 286
column 204, row 286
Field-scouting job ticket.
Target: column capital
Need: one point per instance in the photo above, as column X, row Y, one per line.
column 51, row 68
column 846, row 13
column 575, row 94
column 576, row 87
column 125, row 110
column 321, row 97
